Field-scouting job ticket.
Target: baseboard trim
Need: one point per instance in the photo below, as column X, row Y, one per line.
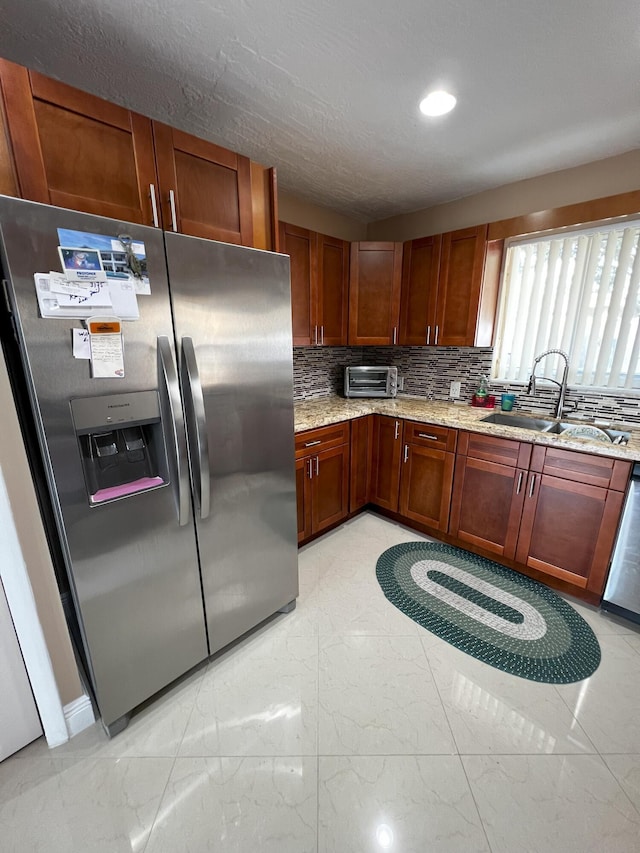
column 79, row 715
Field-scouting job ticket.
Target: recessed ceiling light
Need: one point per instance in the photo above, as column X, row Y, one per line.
column 437, row 103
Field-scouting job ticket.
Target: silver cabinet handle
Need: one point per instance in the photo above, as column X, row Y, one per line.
column 317, row 466
column 395, row 334
column 173, row 417
column 310, row 461
column 532, row 484
column 519, row 486
column 172, row 202
column 154, row 205
column 312, row 443
column 426, row 435
column 197, row 426
column 315, row 336
column 396, row 431
column 436, row 335
column 406, row 452
column 322, row 335
column 428, row 335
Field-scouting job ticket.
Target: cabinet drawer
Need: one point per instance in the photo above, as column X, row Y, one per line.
column 494, row 449
column 429, row 435
column 581, row 467
column 313, row 440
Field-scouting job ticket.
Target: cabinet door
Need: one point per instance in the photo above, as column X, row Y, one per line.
column 361, row 459
column 329, row 487
column 303, row 497
column 420, row 267
column 568, row 530
column 264, row 205
column 332, row 290
column 8, row 177
column 205, row 190
column 74, row 150
column 459, row 286
column 387, row 451
column 425, row 485
column 374, row 293
column 487, row 504
column 300, row 245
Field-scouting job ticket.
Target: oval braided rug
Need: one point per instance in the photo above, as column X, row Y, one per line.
column 496, row 615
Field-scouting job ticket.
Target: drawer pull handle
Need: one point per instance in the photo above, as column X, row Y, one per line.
column 520, row 476
column 312, row 443
column 430, row 437
column 396, row 431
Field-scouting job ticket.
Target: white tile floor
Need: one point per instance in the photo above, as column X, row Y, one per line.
column 344, row 727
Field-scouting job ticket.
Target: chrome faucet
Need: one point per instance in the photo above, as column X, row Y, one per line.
column 531, row 388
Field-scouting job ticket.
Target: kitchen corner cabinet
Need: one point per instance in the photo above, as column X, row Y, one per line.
column 374, row 293
column 361, row 462
column 319, row 285
column 322, row 478
column 550, row 510
column 74, row 150
column 450, row 289
column 427, row 474
column 387, row 453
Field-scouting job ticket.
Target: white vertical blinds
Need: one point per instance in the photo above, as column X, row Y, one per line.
column 578, row 292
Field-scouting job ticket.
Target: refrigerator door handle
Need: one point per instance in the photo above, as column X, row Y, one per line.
column 169, row 377
column 193, row 387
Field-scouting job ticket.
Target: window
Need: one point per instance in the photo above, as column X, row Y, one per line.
column 578, row 292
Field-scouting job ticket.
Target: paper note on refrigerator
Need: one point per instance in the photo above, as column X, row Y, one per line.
column 107, row 350
column 62, row 299
column 81, row 343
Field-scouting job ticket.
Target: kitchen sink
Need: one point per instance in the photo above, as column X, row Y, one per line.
column 520, row 421
column 616, row 436
column 556, row 427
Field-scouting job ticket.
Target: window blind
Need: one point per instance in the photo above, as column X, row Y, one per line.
column 578, row 292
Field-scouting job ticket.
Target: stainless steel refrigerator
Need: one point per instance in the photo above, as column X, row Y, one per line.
column 172, row 486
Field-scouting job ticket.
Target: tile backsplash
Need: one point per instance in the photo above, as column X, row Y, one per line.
column 317, row 372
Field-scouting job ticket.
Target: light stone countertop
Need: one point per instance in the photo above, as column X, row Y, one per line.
column 329, row 410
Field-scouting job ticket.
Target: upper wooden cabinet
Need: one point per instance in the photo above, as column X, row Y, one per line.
column 319, row 286
column 205, row 190
column 449, row 289
column 418, row 306
column 75, row 150
column 332, row 294
column 374, row 293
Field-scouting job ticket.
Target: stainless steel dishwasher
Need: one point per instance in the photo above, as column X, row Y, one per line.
column 622, row 593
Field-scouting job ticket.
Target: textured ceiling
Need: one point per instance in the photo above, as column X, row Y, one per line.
column 327, row 90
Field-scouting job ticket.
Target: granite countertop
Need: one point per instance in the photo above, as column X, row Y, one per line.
column 329, row 410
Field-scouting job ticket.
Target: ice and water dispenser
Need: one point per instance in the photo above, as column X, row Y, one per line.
column 121, row 444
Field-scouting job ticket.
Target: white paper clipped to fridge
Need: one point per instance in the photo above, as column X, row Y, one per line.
column 59, row 298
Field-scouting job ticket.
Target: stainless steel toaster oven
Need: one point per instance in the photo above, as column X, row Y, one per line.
column 365, row 381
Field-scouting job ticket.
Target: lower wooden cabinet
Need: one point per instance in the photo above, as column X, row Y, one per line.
column 557, row 513
column 569, row 524
column 427, row 474
column 322, row 478
column 387, row 453
column 551, row 512
column 361, row 462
